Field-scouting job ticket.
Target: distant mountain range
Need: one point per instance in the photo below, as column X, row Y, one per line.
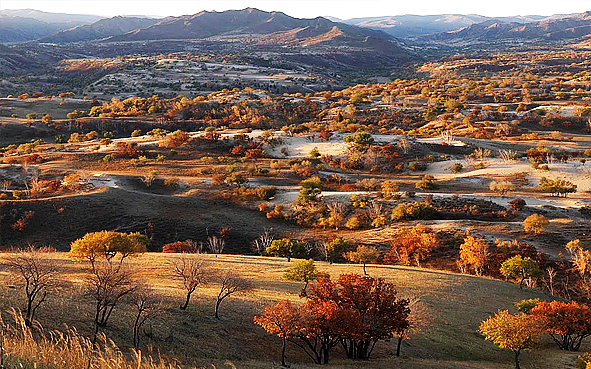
column 271, row 28
column 417, row 25
column 101, row 29
column 254, row 26
column 555, row 28
column 28, row 25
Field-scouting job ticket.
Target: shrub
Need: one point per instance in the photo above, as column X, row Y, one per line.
column 353, row 223
column 175, row 139
column 185, row 247
column 525, row 306
column 535, row 223
column 428, row 183
column 307, row 195
column 417, row 166
column 412, row 211
column 557, row 187
column 457, row 167
column 517, row 204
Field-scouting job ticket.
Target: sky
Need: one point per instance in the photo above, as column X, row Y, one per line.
column 343, row 9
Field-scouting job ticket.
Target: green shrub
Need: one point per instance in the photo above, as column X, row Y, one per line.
column 412, row 211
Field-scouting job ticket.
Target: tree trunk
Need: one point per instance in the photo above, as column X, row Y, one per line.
column 184, row 306
column 217, row 308
column 284, row 344
column 517, row 360
column 398, row 346
column 364, row 270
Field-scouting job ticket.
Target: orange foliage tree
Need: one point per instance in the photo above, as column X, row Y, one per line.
column 567, row 323
column 380, row 314
column 355, row 311
column 414, row 244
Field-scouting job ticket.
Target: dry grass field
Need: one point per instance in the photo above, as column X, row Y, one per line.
column 451, row 307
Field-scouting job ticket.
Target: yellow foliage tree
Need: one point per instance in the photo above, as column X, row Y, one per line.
column 535, row 223
column 474, row 252
column 515, row 332
column 363, row 255
column 107, row 244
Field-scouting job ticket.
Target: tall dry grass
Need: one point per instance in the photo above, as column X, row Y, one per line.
column 25, row 348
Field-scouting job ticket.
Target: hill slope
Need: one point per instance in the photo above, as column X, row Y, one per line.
column 100, row 29
column 451, row 307
column 258, row 27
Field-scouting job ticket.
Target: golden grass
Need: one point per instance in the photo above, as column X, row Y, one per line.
column 453, row 305
column 26, row 348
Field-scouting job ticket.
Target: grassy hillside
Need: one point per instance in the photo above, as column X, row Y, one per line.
column 451, row 307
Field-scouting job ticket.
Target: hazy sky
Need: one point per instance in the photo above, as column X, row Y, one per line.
column 306, row 8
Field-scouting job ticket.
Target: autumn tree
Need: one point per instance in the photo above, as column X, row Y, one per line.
column 37, row 273
column 107, row 284
column 363, row 255
column 501, row 187
column 108, row 244
column 282, row 320
column 515, row 332
column 230, row 283
column 412, row 244
column 536, row 224
column 520, row 267
column 580, row 257
column 378, row 312
column 334, row 248
column 146, row 305
column 303, row 271
column 191, row 273
column 475, row 253
column 567, row 323
column 557, row 187
column 286, row 248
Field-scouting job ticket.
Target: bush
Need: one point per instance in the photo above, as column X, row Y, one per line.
column 185, row 247
column 535, row 223
column 457, row 167
column 557, row 187
column 517, row 204
column 417, row 166
column 524, row 306
column 427, row 183
column 412, row 211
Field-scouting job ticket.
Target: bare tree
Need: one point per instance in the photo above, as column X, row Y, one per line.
column 37, row 273
column 107, row 284
column 146, row 304
column 261, row 244
column 215, row 244
column 375, row 209
column 6, row 184
column 230, row 283
column 192, row 273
